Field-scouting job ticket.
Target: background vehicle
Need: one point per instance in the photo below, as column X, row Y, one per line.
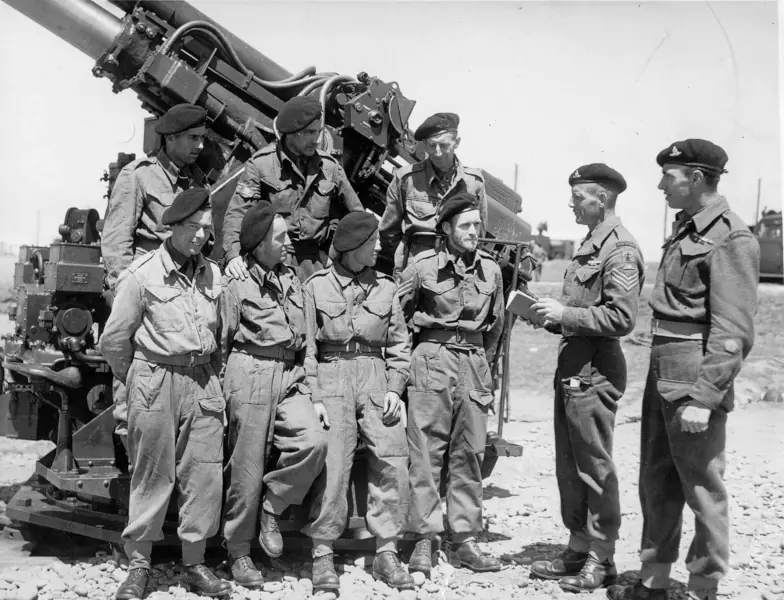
column 768, row 232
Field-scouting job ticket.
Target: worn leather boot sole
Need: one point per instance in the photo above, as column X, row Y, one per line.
column 476, row 569
column 554, row 576
column 607, row 582
column 325, row 587
column 197, row 590
column 383, row 578
column 251, row 585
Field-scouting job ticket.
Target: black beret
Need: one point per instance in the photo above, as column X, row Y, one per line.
column 436, row 124
column 185, row 204
column 181, row 117
column 598, row 173
column 456, row 204
column 700, row 154
column 354, row 229
column 256, row 224
column 298, row 113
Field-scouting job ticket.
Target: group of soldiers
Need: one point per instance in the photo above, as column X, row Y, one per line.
column 301, row 347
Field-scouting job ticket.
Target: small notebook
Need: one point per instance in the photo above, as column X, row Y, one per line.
column 519, row 303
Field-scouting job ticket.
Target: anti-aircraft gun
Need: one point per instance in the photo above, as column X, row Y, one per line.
column 57, row 386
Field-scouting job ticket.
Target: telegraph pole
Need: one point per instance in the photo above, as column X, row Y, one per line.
column 759, row 195
column 515, row 177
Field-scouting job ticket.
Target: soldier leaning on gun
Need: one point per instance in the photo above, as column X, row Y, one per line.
column 144, row 189
column 292, row 174
column 358, row 359
column 453, row 300
column 598, row 305
column 417, row 191
column 161, row 341
column 262, row 332
column 703, row 304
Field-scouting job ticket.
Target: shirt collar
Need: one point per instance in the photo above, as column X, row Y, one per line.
column 446, row 256
column 261, row 274
column 602, row 230
column 432, row 174
column 344, row 277
column 285, row 157
column 170, row 265
column 706, row 215
column 168, row 164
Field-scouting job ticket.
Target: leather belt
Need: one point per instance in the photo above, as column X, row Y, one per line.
column 350, row 348
column 274, row 352
column 193, row 359
column 458, row 337
column 680, row 330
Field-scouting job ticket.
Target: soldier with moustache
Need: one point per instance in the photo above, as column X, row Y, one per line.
column 262, row 339
column 417, row 191
column 357, row 362
column 161, row 342
column 292, row 174
column 454, row 303
column 703, row 302
column 598, row 306
column 143, row 191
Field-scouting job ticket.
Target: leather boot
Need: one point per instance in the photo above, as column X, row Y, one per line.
column 423, row 556
column 270, row 539
column 471, row 556
column 592, row 576
column 324, row 576
column 635, row 592
column 245, row 573
column 134, row 585
column 203, row 581
column 387, row 568
column 569, row 562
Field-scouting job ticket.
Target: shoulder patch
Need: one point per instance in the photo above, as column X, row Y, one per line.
column 622, row 243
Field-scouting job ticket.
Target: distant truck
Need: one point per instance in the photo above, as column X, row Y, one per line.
column 768, row 232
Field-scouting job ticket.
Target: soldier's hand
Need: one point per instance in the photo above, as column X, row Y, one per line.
column 321, row 411
column 394, row 410
column 694, row 419
column 550, row 309
column 236, row 268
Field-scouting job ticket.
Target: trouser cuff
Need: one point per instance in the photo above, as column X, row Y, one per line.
column 321, row 547
column 655, row 576
column 193, row 553
column 386, row 545
column 602, row 550
column 702, row 584
column 579, row 542
column 138, row 554
column 238, row 549
column 274, row 504
column 462, row 538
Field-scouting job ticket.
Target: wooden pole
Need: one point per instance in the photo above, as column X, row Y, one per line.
column 759, row 195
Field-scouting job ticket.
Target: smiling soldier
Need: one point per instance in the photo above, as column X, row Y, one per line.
column 598, row 306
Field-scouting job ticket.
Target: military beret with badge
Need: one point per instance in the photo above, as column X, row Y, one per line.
column 298, row 113
column 598, row 173
column 256, row 224
column 454, row 205
column 185, row 204
column 696, row 153
column 180, row 118
column 435, row 125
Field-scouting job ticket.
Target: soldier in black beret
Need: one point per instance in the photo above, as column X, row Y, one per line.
column 598, row 306
column 161, row 341
column 703, row 303
column 292, row 173
column 357, row 364
column 417, row 191
column 262, row 336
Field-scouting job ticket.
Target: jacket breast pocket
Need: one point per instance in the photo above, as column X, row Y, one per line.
column 332, row 319
column 689, row 272
column 257, row 310
column 589, row 281
column 166, row 309
column 321, row 198
column 421, row 207
column 281, row 193
column 375, row 317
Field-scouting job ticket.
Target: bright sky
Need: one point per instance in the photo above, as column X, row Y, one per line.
column 547, row 85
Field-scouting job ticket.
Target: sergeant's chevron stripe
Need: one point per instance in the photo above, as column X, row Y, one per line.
column 625, row 279
column 405, row 287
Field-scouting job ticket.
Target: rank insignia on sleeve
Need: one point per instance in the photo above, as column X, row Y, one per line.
column 625, row 279
column 405, row 287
